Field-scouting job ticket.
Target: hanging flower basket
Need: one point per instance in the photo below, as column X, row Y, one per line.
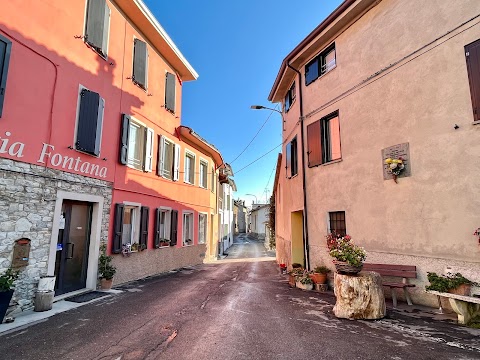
column 345, row 268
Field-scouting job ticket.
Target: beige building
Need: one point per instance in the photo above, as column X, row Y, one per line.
column 377, row 80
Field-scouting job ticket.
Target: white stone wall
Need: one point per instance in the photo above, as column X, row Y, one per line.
column 27, row 202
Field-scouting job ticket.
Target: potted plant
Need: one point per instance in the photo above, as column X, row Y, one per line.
column 7, row 280
column 319, row 274
column 106, row 271
column 164, row 242
column 283, row 268
column 452, row 283
column 293, row 274
column 305, row 282
column 348, row 257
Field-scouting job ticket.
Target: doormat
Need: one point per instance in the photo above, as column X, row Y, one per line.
column 87, row 296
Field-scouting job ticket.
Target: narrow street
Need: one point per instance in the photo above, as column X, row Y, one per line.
column 232, row 310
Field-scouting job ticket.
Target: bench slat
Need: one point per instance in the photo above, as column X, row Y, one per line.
column 391, row 267
column 397, row 285
column 404, row 274
column 405, row 271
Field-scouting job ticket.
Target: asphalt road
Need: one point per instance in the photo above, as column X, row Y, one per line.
column 231, row 310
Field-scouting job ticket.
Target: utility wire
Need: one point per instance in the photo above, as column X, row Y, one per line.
column 254, row 161
column 261, row 127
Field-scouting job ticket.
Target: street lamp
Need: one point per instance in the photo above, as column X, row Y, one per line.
column 254, row 196
column 261, row 107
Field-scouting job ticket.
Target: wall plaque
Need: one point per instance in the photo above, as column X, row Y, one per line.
column 21, row 253
column 395, row 152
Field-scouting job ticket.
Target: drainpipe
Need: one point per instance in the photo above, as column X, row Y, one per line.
column 305, row 215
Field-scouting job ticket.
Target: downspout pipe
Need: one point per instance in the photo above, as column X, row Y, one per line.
column 305, row 215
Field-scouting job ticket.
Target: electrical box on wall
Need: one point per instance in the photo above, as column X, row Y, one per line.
column 396, row 152
column 21, row 253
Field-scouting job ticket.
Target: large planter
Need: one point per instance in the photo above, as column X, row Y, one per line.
column 463, row 289
column 5, row 297
column 318, row 278
column 345, row 268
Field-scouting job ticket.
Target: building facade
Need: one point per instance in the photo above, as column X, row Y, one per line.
column 241, row 224
column 226, row 220
column 378, row 80
column 92, row 148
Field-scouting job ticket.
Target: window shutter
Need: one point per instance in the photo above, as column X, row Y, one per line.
column 90, row 119
column 174, row 228
column 123, row 154
column 98, row 23
column 288, row 159
column 148, row 163
column 143, row 240
column 157, row 228
column 314, row 151
column 5, row 50
column 140, row 55
column 118, row 229
column 170, row 92
column 176, row 163
column 472, row 55
column 160, row 155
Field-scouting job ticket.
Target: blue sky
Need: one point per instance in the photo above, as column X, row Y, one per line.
column 237, row 48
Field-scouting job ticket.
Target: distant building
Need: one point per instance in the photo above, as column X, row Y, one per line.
column 259, row 220
column 241, row 214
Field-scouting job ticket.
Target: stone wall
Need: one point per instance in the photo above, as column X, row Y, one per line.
column 27, row 200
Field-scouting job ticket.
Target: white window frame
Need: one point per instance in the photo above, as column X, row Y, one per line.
column 147, row 151
column 185, row 178
column 168, row 223
column 192, row 227
column 203, row 162
column 176, row 159
column 206, row 227
column 135, row 234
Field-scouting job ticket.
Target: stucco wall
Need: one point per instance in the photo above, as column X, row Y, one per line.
column 427, row 219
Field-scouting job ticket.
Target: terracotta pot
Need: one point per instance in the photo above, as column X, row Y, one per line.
column 318, row 278
column 463, row 289
column 106, row 284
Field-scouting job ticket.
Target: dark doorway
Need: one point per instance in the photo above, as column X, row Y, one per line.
column 72, row 246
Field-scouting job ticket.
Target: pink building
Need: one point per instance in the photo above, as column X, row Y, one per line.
column 377, row 80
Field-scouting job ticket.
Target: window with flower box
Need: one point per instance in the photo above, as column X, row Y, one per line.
column 337, row 223
column 187, row 228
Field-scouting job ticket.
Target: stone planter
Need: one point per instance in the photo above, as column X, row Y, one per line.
column 359, row 297
column 44, row 300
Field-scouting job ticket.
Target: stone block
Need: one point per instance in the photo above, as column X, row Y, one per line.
column 23, row 225
column 7, row 226
column 359, row 296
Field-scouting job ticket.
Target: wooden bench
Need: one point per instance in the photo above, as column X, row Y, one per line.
column 466, row 307
column 404, row 271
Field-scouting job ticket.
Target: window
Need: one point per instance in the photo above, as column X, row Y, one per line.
column 213, row 180
column 187, row 229
column 140, row 63
column 290, row 97
column 228, row 202
column 472, row 55
column 165, row 227
column 168, row 165
column 203, row 173
column 189, row 167
column 337, row 223
column 321, row 64
column 5, row 49
column 136, row 145
column 98, row 26
column 130, row 227
column 202, row 228
column 89, row 122
column 170, row 92
column 220, row 197
column 323, row 137
column 291, row 158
